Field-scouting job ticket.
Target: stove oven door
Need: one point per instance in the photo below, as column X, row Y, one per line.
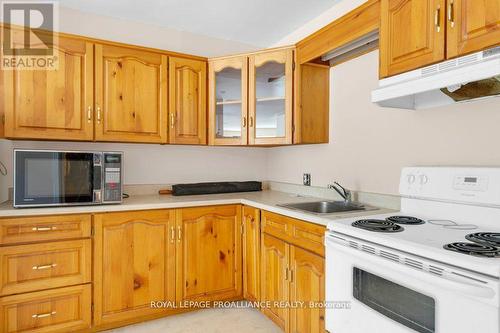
column 369, row 293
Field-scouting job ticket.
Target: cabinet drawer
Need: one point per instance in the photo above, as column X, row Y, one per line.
column 57, row 310
column 276, row 224
column 42, row 266
column 44, row 228
column 304, row 234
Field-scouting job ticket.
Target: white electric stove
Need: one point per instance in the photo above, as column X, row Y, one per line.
column 432, row 267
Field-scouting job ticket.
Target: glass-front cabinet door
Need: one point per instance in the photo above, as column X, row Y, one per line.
column 228, row 101
column 270, row 97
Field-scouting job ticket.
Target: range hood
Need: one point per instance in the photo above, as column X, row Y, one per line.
column 463, row 79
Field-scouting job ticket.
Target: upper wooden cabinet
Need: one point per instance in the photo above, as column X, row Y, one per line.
column 134, row 264
column 412, row 34
column 51, row 104
column 472, row 26
column 417, row 33
column 228, row 101
column 209, row 253
column 270, row 97
column 130, row 95
column 187, row 101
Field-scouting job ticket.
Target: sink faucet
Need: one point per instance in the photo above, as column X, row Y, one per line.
column 342, row 191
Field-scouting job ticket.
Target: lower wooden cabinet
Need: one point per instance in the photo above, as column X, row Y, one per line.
column 134, row 264
column 292, row 275
column 57, row 310
column 41, row 266
column 209, row 253
column 251, row 253
column 307, row 284
column 274, row 278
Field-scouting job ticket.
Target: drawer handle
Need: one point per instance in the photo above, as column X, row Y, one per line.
column 43, row 315
column 43, row 267
column 44, row 228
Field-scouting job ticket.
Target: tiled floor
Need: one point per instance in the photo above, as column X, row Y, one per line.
column 207, row 321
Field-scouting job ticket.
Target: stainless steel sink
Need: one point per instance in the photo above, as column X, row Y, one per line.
column 326, row 207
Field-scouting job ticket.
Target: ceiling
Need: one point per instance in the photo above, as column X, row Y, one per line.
column 257, row 22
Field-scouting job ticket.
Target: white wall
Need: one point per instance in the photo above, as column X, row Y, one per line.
column 369, row 145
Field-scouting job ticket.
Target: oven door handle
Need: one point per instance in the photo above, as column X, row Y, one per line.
column 377, row 263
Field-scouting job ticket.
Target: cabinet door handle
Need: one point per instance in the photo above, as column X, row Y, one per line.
column 251, row 121
column 286, row 274
column 437, row 19
column 172, row 234
column 179, row 234
column 244, row 122
column 451, row 13
column 291, row 276
column 43, row 315
column 172, row 120
column 89, row 114
column 43, row 228
column 40, row 267
column 98, row 114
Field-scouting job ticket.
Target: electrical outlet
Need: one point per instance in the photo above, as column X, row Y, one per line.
column 306, row 179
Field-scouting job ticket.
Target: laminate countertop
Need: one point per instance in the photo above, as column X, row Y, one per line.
column 266, row 200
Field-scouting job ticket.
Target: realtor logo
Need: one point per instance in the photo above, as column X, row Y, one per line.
column 28, row 38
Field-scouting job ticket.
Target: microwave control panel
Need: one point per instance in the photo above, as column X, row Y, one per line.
column 112, row 177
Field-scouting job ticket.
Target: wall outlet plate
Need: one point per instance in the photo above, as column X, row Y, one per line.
column 306, row 179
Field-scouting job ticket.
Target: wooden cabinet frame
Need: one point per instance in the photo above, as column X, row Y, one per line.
column 187, row 101
column 281, row 56
column 215, row 66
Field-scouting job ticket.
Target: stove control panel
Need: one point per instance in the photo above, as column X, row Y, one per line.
column 474, row 185
column 471, row 183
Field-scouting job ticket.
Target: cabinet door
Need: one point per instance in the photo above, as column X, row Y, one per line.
column 270, row 98
column 274, row 279
column 187, row 101
column 209, row 253
column 412, row 34
column 228, row 108
column 51, row 104
column 472, row 26
column 307, row 284
column 251, row 253
column 131, row 95
column 134, row 264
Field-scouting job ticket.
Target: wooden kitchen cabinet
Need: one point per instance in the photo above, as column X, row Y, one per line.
column 472, row 26
column 251, row 253
column 51, row 104
column 307, row 284
column 50, row 311
column 134, row 264
column 412, row 34
column 130, row 95
column 209, row 253
column 293, row 271
column 270, row 97
column 228, row 101
column 187, row 101
column 274, row 279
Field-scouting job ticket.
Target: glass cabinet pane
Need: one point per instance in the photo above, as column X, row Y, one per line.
column 228, row 87
column 270, row 108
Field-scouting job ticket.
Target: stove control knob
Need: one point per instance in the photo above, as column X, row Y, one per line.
column 423, row 179
column 411, row 179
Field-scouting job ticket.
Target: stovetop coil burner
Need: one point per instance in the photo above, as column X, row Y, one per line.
column 474, row 249
column 377, row 225
column 485, row 238
column 408, row 220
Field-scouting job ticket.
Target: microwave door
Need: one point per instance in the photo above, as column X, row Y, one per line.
column 53, row 178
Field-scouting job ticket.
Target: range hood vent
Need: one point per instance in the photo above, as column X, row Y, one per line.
column 355, row 48
column 472, row 77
